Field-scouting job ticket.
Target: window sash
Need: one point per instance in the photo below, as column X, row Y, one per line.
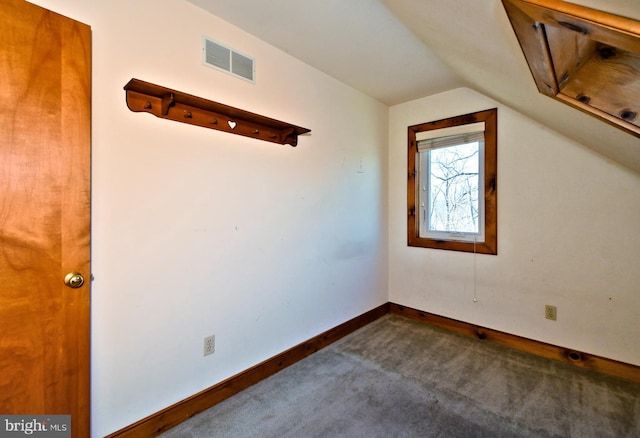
column 424, row 148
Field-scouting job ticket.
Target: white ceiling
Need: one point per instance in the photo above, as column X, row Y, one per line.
column 400, row 50
column 358, row 42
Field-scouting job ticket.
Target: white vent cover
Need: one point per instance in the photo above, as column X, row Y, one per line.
column 227, row 59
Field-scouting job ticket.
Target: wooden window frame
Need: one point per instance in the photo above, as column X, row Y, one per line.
column 490, row 244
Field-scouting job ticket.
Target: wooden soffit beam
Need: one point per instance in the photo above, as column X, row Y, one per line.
column 583, row 57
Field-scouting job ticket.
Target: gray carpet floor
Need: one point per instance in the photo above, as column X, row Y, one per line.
column 401, row 378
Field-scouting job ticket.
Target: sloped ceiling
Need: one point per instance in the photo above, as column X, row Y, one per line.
column 358, row 42
column 400, row 50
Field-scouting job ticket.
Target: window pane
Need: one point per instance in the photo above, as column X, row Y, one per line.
column 453, row 189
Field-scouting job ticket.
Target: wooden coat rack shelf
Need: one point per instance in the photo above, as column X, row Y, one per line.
column 182, row 107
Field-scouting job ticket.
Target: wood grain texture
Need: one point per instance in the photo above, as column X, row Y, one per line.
column 181, row 411
column 598, row 25
column 549, row 351
column 490, row 244
column 532, row 39
column 569, row 51
column 44, row 213
column 582, row 57
column 181, row 107
column 608, row 79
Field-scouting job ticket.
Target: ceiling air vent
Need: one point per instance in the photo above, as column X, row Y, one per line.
column 229, row 60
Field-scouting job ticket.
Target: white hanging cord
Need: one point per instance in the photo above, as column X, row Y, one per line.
column 475, row 296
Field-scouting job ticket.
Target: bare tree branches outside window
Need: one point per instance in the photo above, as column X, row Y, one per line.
column 453, row 189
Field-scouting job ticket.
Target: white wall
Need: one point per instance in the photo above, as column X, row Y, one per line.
column 198, row 232
column 567, row 236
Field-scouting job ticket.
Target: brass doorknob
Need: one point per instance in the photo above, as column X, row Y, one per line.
column 74, row 280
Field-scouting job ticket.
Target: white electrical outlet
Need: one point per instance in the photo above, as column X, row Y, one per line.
column 209, row 345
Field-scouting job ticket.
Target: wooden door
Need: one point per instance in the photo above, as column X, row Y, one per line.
column 45, row 86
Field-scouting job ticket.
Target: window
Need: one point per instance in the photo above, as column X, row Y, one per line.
column 451, row 191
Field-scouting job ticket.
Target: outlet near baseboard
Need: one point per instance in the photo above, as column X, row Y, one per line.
column 551, row 312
